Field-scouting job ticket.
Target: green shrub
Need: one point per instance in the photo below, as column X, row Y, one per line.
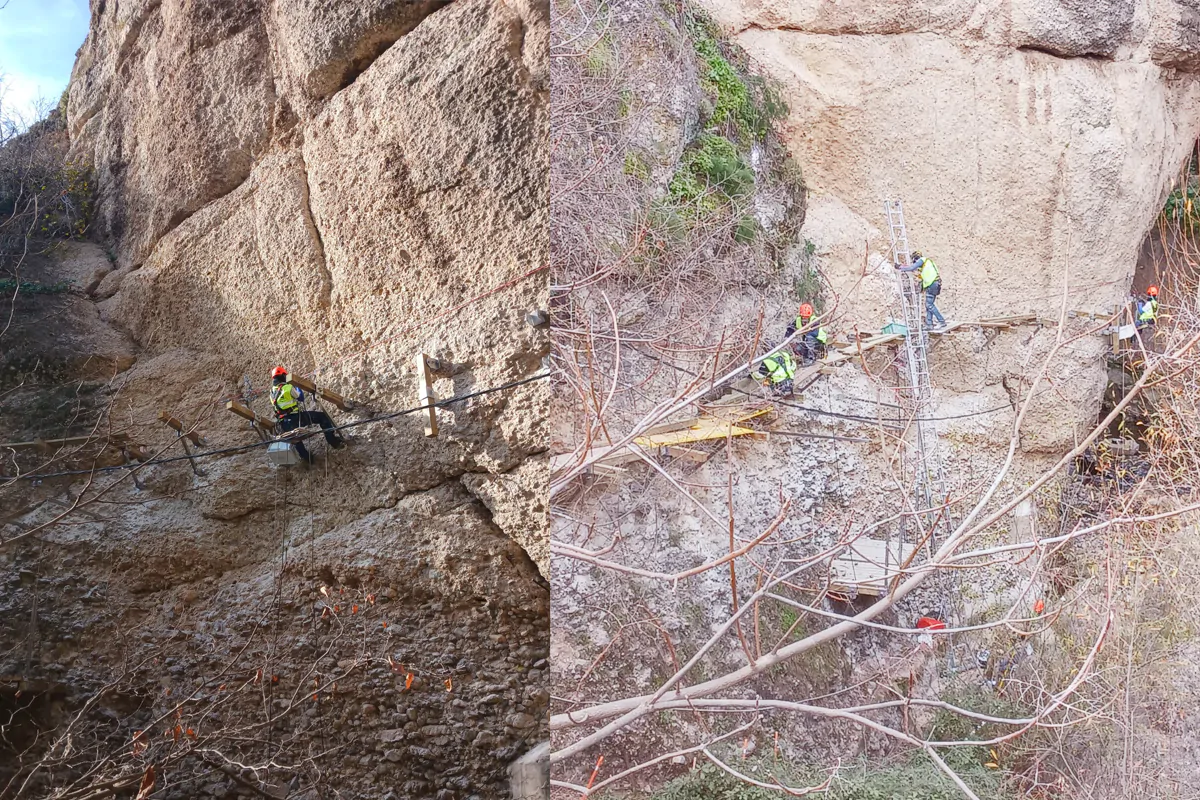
column 746, row 230
column 807, row 284
column 717, row 160
column 668, row 224
column 9, row 285
column 625, row 103
column 636, row 167
column 750, row 105
column 600, row 58
column 1182, row 206
column 711, row 171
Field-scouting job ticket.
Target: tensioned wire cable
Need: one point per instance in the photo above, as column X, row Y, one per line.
column 247, row 447
column 822, row 412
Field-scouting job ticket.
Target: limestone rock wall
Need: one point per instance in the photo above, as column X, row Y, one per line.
column 335, row 187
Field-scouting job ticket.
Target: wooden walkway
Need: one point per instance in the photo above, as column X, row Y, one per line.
column 718, row 423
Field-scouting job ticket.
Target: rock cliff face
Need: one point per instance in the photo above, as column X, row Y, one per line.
column 1032, row 141
column 336, row 187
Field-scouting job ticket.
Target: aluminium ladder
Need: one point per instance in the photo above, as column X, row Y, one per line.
column 929, row 484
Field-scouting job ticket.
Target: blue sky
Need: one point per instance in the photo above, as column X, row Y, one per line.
column 38, row 40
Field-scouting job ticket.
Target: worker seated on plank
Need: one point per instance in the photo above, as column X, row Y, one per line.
column 931, row 285
column 1147, row 309
column 812, row 344
column 287, row 400
column 776, row 372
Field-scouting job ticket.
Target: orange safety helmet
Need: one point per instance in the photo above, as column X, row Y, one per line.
column 1152, row 291
column 806, row 310
column 275, row 373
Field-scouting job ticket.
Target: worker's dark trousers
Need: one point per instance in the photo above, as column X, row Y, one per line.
column 304, row 419
column 1146, row 332
column 931, row 310
column 810, row 348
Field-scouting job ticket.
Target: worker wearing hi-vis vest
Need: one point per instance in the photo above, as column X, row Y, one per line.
column 288, row 400
column 1148, row 308
column 931, row 284
column 777, row 371
column 812, row 343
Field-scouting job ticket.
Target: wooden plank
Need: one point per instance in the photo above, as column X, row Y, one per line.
column 616, row 457
column 670, row 427
column 263, row 423
column 698, row 433
column 173, row 423
column 425, row 394
column 325, row 394
column 138, row 452
column 699, row 456
column 1011, row 319
column 742, row 413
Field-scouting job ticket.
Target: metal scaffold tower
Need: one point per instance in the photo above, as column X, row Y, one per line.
column 929, row 490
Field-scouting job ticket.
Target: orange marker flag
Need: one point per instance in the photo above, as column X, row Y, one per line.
column 449, row 685
column 408, row 682
column 1039, row 607
column 595, row 772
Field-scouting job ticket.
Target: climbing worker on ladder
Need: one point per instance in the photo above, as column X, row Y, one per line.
column 777, row 371
column 931, row 285
column 289, row 412
column 813, row 343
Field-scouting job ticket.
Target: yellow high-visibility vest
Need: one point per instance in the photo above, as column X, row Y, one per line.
column 929, row 273
column 1149, row 311
column 822, row 334
column 283, row 397
column 781, row 367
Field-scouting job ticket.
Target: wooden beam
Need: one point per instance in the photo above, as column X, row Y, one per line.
column 325, row 394
column 137, row 452
column 263, row 423
column 699, row 456
column 175, row 424
column 669, row 427
column 425, row 394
